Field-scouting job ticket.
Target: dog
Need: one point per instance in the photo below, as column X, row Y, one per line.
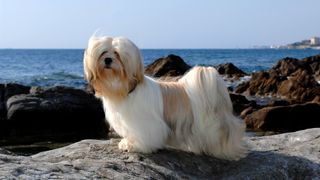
column 193, row 114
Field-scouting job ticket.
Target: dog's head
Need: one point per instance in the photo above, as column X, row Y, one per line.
column 112, row 66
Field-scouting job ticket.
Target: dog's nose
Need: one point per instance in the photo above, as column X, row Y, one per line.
column 107, row 62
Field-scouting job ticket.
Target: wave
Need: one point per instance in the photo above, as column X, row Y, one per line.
column 63, row 74
column 56, row 78
column 233, row 83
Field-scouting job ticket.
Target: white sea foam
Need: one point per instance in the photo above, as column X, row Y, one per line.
column 245, row 78
column 233, row 83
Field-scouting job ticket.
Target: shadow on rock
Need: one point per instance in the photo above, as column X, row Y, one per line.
column 257, row 165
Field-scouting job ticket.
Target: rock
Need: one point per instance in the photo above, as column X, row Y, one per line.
column 287, row 66
column 12, row 89
column 243, row 107
column 261, row 84
column 246, row 112
column 6, row 152
column 316, row 99
column 290, row 78
column 278, row 102
column 8, row 90
column 171, row 65
column 285, row 118
column 3, row 110
column 240, row 103
column 314, row 63
column 300, row 86
column 304, row 144
column 230, row 70
column 286, row 156
column 56, row 113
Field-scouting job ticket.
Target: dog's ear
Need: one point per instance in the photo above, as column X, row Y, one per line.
column 88, row 74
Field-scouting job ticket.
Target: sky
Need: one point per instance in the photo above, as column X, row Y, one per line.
column 158, row 24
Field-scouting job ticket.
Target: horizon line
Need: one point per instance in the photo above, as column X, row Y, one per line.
column 140, row 48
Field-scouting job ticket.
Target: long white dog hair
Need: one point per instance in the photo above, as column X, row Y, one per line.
column 194, row 114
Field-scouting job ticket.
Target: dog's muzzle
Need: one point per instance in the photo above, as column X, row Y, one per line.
column 107, row 63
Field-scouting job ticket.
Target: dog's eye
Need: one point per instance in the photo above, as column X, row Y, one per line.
column 116, row 53
column 103, row 54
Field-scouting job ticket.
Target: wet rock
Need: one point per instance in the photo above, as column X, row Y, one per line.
column 278, row 102
column 240, row 103
column 8, row 90
column 230, row 70
column 171, row 65
column 285, row 156
column 285, row 118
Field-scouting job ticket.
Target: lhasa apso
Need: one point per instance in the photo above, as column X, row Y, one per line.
column 193, row 114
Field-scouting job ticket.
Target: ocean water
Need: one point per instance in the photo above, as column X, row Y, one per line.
column 49, row 67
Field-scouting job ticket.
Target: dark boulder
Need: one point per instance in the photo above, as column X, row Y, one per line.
column 12, row 89
column 3, row 111
column 8, row 90
column 230, row 70
column 314, row 63
column 287, row 66
column 171, row 65
column 56, row 113
column 285, row 118
column 300, row 86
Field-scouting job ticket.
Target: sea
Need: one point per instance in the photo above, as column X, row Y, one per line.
column 52, row 67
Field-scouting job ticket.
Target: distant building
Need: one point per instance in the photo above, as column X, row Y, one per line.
column 312, row 43
column 315, row 41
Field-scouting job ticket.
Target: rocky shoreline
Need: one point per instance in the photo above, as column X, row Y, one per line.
column 64, row 114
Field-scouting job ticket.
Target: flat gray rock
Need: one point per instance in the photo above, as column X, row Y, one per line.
column 285, row 156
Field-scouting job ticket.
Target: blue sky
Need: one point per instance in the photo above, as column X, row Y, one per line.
column 158, row 24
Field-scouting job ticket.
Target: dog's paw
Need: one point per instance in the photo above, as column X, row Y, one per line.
column 125, row 145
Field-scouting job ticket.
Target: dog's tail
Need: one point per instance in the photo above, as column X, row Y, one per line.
column 216, row 130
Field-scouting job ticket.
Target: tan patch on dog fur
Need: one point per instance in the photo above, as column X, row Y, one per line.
column 177, row 109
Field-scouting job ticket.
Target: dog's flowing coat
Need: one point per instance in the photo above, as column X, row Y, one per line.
column 193, row 114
